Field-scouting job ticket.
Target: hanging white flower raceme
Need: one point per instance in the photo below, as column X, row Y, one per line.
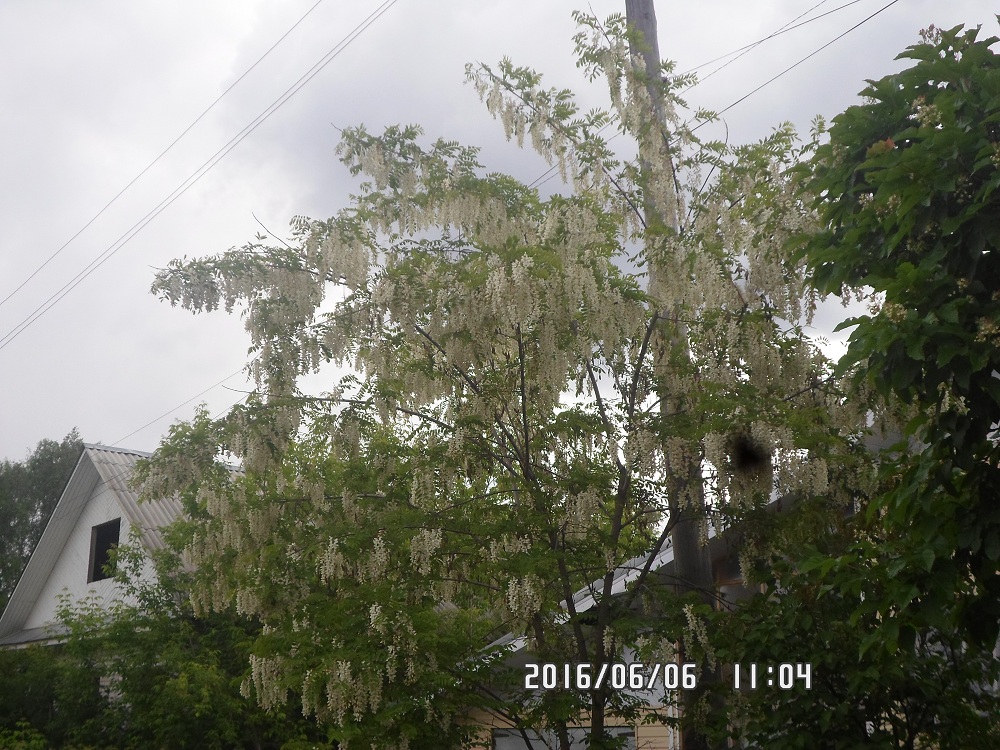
column 523, row 597
column 332, row 564
column 378, row 560
column 424, row 544
column 581, row 510
column 265, row 680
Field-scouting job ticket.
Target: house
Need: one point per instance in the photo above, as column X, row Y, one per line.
column 99, row 510
column 96, row 512
column 499, row 733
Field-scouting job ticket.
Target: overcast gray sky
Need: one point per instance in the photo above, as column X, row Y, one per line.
column 91, row 92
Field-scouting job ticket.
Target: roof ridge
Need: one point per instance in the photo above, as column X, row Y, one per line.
column 115, row 449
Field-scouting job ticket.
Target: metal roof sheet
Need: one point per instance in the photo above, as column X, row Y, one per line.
column 116, row 467
column 98, row 465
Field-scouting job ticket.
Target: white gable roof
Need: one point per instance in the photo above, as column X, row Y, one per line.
column 98, row 490
column 622, row 576
column 587, row 597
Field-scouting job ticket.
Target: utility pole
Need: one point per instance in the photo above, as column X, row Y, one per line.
column 692, row 563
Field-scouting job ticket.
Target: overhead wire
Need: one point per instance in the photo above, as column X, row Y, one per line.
column 551, row 171
column 753, row 45
column 796, row 64
column 548, row 174
column 206, row 167
column 771, row 80
column 167, row 413
column 159, row 156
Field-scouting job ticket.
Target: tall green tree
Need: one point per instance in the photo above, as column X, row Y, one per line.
column 29, row 490
column 911, row 210
column 895, row 603
column 546, row 387
column 871, row 684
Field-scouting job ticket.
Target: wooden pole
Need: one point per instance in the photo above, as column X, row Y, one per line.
column 692, row 562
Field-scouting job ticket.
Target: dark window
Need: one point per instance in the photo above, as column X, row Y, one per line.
column 103, row 540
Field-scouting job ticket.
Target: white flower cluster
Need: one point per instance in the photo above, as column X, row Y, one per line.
column 947, row 398
column 524, row 596
column 697, row 632
column 512, row 299
column 643, row 452
column 356, row 686
column 523, row 110
column 657, row 650
column 265, row 680
column 423, row 494
column 378, row 561
column 375, row 619
column 423, row 545
column 580, row 511
column 332, row 564
column 247, row 601
column 507, row 546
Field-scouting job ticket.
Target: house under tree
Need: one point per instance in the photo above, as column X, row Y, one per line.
column 96, row 512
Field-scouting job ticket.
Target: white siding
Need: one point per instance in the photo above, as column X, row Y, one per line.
column 69, row 574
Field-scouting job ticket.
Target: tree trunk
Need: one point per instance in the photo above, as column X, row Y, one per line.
column 692, row 563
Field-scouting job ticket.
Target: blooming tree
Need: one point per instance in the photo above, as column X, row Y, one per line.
column 543, row 388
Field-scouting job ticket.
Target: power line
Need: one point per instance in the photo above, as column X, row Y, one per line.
column 159, row 156
column 727, row 108
column 185, row 403
column 550, row 172
column 799, row 62
column 196, row 175
column 783, row 30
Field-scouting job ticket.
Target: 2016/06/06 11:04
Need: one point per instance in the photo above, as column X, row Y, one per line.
column 639, row 676
column 782, row 676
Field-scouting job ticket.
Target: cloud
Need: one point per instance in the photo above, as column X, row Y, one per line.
column 100, row 88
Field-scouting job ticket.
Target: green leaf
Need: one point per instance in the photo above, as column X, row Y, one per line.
column 948, row 351
column 915, row 348
column 949, row 312
column 890, row 635
column 992, row 546
column 927, row 558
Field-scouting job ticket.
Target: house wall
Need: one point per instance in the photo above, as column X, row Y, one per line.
column 647, row 736
column 69, row 574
